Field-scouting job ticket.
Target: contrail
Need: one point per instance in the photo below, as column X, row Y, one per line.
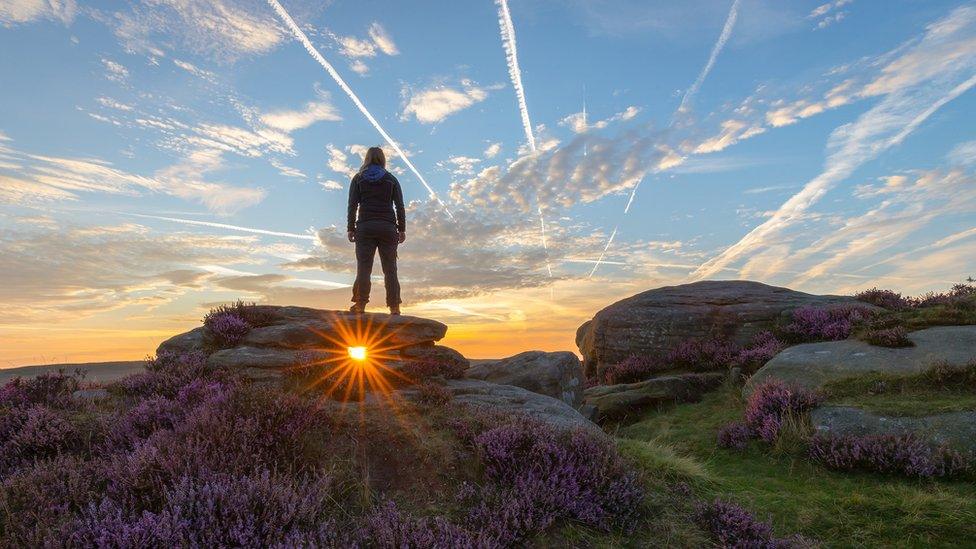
column 690, row 94
column 716, row 49
column 223, row 226
column 514, row 71
column 858, row 149
column 301, row 37
column 603, row 253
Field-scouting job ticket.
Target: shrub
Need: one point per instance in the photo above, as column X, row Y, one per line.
column 256, row 510
column 888, row 337
column 703, row 354
column 50, row 388
column 885, row 299
column 772, row 402
column 166, row 374
column 256, row 316
column 734, row 527
column 763, row 348
column 734, row 436
column 423, row 370
column 632, row 369
column 890, row 454
column 387, row 526
column 537, row 474
column 226, row 327
column 823, row 324
column 433, row 394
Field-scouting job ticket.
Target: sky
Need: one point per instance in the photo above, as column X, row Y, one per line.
column 159, row 157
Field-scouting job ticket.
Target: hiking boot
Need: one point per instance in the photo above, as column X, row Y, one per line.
column 395, row 310
column 358, row 308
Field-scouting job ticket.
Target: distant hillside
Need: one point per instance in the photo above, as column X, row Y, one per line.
column 94, row 371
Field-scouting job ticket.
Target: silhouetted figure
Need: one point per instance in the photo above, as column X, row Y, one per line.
column 381, row 225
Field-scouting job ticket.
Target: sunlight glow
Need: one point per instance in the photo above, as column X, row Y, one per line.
column 357, row 353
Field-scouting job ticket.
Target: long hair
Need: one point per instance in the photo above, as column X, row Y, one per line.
column 374, row 155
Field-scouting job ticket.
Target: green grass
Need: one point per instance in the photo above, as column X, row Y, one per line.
column 840, row 510
column 937, row 390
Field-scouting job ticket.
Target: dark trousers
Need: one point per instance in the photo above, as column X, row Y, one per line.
column 370, row 237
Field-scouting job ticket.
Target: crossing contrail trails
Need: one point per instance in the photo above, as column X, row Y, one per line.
column 545, row 244
column 603, row 253
column 223, row 226
column 716, row 50
column 514, row 71
column 301, row 37
column 686, row 100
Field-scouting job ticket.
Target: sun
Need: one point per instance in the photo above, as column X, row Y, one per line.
column 357, row 353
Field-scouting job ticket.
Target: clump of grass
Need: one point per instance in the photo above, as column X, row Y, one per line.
column 895, row 337
column 940, row 388
column 663, row 461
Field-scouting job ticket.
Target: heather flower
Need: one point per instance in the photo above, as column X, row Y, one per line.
column 227, row 328
column 771, row 402
column 50, row 388
column 734, row 527
column 819, row 324
column 541, row 474
column 763, row 348
column 632, row 369
column 885, row 299
column 433, row 394
column 423, row 370
column 256, row 510
column 889, row 337
column 889, row 454
column 734, row 435
column 703, row 354
column 386, row 526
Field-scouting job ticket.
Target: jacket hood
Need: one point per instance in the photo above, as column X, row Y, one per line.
column 373, row 173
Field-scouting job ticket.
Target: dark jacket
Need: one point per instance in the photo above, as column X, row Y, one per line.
column 375, row 193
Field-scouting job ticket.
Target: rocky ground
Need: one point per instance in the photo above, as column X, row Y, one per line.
column 724, row 413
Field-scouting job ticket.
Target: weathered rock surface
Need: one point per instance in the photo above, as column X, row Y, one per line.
column 653, row 322
column 626, row 401
column 196, row 340
column 559, row 375
column 509, row 398
column 957, row 429
column 813, row 364
column 296, row 336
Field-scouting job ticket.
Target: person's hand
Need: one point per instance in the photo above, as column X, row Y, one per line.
column 351, row 235
column 403, row 237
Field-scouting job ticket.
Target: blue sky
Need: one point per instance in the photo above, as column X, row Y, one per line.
column 161, row 156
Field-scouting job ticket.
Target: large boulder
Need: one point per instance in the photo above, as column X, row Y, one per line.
column 627, row 401
column 509, row 398
column 653, row 322
column 814, row 364
column 957, row 429
column 288, row 337
column 559, row 375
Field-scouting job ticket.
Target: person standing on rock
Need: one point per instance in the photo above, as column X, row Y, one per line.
column 381, row 225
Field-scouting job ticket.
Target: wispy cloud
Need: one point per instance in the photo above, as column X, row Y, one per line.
column 14, row 12
column 303, row 39
column 434, row 104
column 884, row 126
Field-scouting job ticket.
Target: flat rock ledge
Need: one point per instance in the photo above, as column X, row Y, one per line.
column 293, row 336
column 509, row 398
column 627, row 401
column 956, row 429
column 559, row 374
column 812, row 365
